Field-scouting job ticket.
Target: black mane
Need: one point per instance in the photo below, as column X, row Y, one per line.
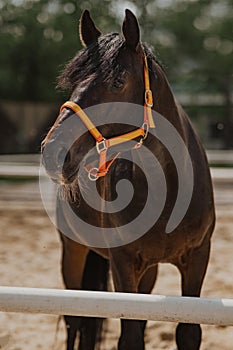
column 100, row 57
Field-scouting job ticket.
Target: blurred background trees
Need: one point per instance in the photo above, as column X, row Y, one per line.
column 192, row 39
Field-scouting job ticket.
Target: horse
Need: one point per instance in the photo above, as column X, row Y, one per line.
column 110, row 69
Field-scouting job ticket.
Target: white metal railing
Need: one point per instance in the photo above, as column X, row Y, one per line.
column 117, row 305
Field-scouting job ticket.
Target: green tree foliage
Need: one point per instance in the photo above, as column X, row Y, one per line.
column 36, row 38
column 193, row 38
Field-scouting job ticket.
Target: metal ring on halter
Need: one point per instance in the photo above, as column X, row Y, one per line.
column 139, row 144
column 145, row 127
column 93, row 176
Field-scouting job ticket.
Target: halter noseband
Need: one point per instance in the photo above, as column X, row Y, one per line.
column 103, row 144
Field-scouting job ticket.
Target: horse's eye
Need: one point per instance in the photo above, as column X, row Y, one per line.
column 118, row 84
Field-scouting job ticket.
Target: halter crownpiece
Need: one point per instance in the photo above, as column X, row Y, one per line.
column 103, row 144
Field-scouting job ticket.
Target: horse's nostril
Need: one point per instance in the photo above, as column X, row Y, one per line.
column 68, row 157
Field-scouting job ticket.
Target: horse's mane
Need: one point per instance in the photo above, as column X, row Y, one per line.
column 98, row 58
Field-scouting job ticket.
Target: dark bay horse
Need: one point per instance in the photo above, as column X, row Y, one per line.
column 112, row 69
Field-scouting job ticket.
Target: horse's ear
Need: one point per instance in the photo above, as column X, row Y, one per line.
column 130, row 29
column 87, row 30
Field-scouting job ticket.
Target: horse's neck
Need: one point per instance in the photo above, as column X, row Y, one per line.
column 165, row 102
column 169, row 111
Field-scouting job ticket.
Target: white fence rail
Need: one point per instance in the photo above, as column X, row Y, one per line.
column 117, row 305
column 28, row 165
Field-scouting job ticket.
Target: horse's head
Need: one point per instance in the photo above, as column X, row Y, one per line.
column 110, row 68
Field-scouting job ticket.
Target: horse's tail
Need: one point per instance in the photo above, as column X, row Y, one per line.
column 95, row 278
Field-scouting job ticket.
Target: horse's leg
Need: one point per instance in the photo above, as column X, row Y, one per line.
column 126, row 279
column 193, row 269
column 146, row 285
column 73, row 263
column 95, row 277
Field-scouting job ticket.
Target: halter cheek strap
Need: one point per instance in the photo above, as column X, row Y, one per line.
column 102, row 144
column 148, row 104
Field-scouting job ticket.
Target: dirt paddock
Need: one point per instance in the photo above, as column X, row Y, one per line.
column 30, row 257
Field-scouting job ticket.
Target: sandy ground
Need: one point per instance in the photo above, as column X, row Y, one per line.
column 30, row 257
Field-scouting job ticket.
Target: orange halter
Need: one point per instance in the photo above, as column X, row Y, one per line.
column 103, row 144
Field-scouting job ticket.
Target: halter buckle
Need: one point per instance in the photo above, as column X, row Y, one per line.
column 149, row 98
column 101, row 146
